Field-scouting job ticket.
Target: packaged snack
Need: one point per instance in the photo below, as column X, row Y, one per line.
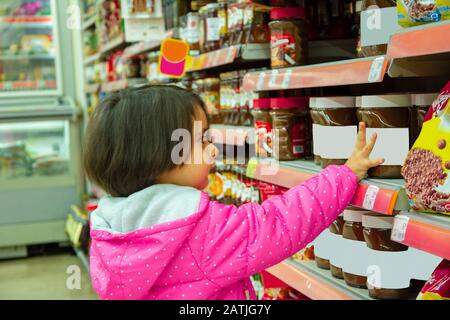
column 426, row 170
column 438, row 286
column 416, row 12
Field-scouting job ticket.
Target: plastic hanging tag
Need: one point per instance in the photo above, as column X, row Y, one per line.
column 376, row 70
column 370, row 197
column 399, row 228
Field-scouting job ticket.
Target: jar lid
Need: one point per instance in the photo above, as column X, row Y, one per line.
column 386, row 101
column 332, row 102
column 262, row 103
column 289, row 103
column 353, row 215
column 379, row 221
column 424, row 99
column 287, row 13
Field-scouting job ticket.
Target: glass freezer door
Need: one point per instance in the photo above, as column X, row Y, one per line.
column 28, row 48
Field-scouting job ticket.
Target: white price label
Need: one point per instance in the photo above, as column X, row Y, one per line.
column 260, row 83
column 287, row 79
column 376, row 69
column 399, row 228
column 273, row 78
column 370, row 197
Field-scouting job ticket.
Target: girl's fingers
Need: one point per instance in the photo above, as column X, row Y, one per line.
column 369, row 148
column 375, row 163
column 361, row 139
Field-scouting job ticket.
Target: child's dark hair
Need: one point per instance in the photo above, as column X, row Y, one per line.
column 128, row 140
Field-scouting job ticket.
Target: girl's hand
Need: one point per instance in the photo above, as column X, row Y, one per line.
column 359, row 161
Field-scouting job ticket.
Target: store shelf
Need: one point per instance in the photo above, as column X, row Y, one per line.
column 213, row 59
column 315, row 283
column 90, row 21
column 433, row 38
column 36, row 182
column 386, row 196
column 112, row 45
column 140, row 48
column 232, row 135
column 420, row 51
column 28, row 85
column 426, row 232
column 91, row 59
column 84, row 258
column 346, row 72
column 26, row 21
column 27, row 57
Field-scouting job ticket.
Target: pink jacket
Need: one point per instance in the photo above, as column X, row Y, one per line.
column 171, row 242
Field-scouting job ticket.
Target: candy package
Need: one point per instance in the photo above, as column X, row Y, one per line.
column 427, row 167
column 438, row 286
column 415, row 12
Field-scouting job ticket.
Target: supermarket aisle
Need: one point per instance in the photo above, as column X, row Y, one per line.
column 42, row 278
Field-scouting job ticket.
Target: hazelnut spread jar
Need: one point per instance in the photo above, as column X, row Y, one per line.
column 336, row 229
column 377, row 231
column 263, row 127
column 335, row 127
column 390, row 117
column 354, row 273
column 291, row 128
column 387, row 255
column 288, row 37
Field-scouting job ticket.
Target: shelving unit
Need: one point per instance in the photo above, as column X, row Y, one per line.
column 28, row 85
column 91, row 59
column 315, row 283
column 345, row 72
column 424, row 231
column 225, row 56
column 386, row 196
column 420, row 51
column 90, row 21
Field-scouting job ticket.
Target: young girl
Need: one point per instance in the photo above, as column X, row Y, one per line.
column 158, row 236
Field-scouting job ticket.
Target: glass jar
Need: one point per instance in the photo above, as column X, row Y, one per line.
column 213, row 24
column 225, row 96
column 211, row 96
column 288, row 37
column 263, row 127
column 377, row 231
column 223, row 16
column 256, row 29
column 390, row 117
column 353, row 230
column 379, row 49
column 336, row 228
column 202, row 12
column 335, row 127
column 193, row 33
column 245, row 117
column 291, row 128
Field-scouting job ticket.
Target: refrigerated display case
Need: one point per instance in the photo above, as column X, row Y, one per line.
column 40, row 125
column 29, row 48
